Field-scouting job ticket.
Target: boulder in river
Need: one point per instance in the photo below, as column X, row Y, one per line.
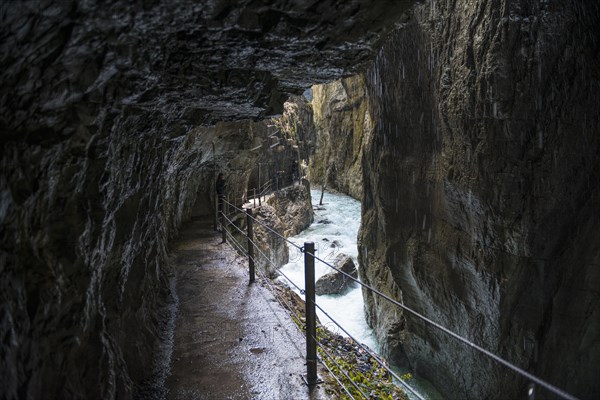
column 335, row 282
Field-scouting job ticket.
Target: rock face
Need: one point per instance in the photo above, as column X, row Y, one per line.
column 293, row 205
column 481, row 194
column 207, row 62
column 102, row 158
column 270, row 246
column 335, row 282
column 297, row 122
column 343, row 122
column 84, row 233
column 286, row 212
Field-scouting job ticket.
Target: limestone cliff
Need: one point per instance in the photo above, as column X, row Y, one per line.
column 297, row 125
column 343, row 124
column 481, row 193
column 293, row 205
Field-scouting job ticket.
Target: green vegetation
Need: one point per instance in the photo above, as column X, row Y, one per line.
column 360, row 374
column 356, row 369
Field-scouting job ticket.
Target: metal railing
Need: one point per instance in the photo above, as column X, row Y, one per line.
column 311, row 305
column 273, row 184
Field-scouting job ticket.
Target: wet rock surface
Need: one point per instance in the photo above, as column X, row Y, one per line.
column 205, row 62
column 103, row 156
column 273, row 251
column 286, row 212
column 481, row 187
column 336, row 282
column 481, row 194
column 293, row 205
column 84, row 242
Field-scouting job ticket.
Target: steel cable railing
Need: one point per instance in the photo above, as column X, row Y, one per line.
column 284, row 304
column 336, row 378
column 290, row 309
column 240, row 247
column 332, row 358
column 456, row 336
column 372, row 354
column 416, row 314
column 261, row 223
column 245, row 252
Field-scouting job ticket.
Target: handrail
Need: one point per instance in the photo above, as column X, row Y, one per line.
column 288, row 307
column 267, row 227
column 281, row 301
column 456, row 336
column 416, row 314
column 244, row 251
column 265, row 256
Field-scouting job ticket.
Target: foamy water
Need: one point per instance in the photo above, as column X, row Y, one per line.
column 334, row 231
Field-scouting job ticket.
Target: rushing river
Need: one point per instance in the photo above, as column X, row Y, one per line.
column 335, row 231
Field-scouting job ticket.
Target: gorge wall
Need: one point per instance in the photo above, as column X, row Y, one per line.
column 481, row 194
column 103, row 155
column 343, row 124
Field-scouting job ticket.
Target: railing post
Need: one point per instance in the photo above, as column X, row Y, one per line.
column 250, row 244
column 216, row 214
column 311, row 325
column 221, row 207
column 254, row 198
column 531, row 391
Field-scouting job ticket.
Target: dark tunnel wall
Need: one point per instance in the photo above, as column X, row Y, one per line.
column 102, row 155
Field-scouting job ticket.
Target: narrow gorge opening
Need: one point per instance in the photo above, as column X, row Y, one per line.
column 467, row 130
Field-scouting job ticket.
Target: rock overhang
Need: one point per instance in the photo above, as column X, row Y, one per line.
column 198, row 62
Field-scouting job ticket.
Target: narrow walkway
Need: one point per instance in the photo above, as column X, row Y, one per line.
column 232, row 340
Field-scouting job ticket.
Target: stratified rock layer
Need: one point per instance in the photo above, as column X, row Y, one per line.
column 293, row 205
column 482, row 192
column 284, row 214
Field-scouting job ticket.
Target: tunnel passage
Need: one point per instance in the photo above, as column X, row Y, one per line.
column 108, row 116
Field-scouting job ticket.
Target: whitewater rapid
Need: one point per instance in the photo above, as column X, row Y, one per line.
column 334, row 231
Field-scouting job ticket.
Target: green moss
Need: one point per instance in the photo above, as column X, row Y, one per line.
column 361, row 373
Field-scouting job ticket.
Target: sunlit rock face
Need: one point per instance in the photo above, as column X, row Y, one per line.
column 482, row 192
column 102, row 159
column 343, row 122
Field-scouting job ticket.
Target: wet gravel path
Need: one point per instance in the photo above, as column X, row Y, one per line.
column 232, row 340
